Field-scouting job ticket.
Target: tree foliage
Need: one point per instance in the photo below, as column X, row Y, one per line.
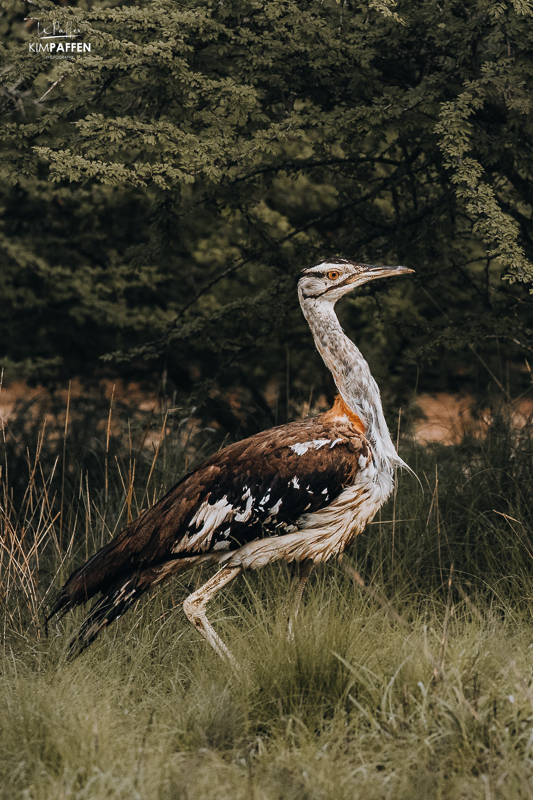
column 161, row 192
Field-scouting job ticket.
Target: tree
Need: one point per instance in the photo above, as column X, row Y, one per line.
column 162, row 191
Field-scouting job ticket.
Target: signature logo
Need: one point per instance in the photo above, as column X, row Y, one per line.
column 59, row 37
column 56, row 31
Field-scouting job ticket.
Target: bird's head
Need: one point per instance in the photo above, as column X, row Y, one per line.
column 332, row 279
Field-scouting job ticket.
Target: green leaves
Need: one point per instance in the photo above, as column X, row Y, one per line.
column 497, row 229
column 208, row 152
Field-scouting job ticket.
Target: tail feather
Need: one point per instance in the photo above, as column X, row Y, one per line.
column 84, row 583
column 118, row 592
column 108, row 608
column 111, row 573
column 111, row 565
column 140, row 557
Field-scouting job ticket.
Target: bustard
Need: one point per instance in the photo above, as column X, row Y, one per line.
column 299, row 492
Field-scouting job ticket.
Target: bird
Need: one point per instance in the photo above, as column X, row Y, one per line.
column 298, row 493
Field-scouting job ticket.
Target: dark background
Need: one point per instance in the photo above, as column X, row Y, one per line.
column 158, row 201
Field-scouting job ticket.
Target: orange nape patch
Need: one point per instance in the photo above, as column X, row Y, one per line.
column 341, row 411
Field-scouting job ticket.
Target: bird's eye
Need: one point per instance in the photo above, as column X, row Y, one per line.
column 333, row 274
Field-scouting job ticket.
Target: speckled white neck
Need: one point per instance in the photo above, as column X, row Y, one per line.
column 352, row 376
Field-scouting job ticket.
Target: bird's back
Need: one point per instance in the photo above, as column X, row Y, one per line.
column 269, row 485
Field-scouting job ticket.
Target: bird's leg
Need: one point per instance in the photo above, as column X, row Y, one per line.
column 303, row 571
column 194, row 607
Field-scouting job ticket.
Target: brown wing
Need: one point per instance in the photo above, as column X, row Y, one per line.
column 257, row 487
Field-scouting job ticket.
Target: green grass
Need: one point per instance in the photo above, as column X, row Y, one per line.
column 361, row 704
column 410, row 674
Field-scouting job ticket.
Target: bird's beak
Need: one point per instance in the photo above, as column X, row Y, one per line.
column 373, row 271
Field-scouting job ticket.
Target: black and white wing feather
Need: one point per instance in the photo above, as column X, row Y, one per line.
column 261, row 487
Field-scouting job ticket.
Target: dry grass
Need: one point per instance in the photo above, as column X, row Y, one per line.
column 409, row 675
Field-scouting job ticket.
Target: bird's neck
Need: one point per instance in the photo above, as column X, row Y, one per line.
column 352, row 376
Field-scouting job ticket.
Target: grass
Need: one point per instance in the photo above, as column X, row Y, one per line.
column 409, row 676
